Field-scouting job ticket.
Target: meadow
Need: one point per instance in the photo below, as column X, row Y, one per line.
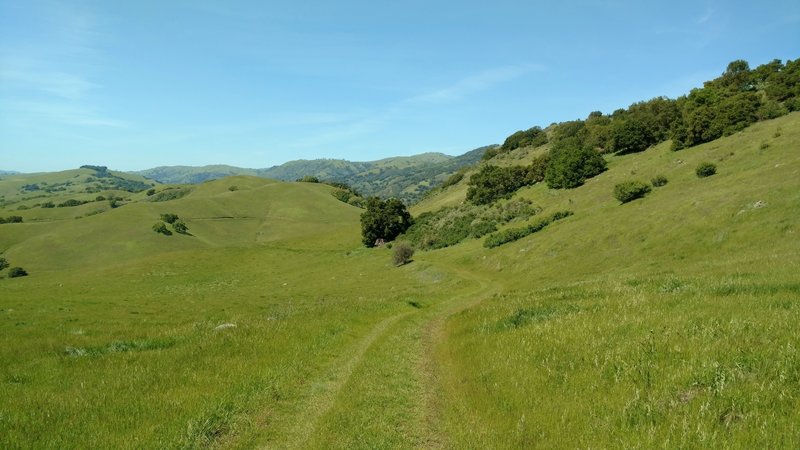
column 669, row 321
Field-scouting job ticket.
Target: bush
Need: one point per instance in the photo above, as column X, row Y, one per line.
column 308, row 179
column 402, row 253
column 70, row 203
column 513, row 234
column 161, row 227
column 180, row 227
column 150, row 192
column 169, row 218
column 659, row 180
column 705, row 169
column 3, row 263
column 630, row 190
column 48, row 205
column 170, row 194
column 15, row 272
column 14, row 219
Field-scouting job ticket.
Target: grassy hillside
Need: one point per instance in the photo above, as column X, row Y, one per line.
column 666, row 321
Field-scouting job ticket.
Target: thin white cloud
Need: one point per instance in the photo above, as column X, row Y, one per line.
column 705, row 17
column 50, row 78
column 477, row 82
column 60, row 112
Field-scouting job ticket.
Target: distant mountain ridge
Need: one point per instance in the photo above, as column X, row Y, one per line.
column 404, row 177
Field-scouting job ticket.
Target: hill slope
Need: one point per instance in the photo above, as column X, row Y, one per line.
column 405, row 177
column 669, row 319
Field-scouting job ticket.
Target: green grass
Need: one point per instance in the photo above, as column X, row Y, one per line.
column 670, row 321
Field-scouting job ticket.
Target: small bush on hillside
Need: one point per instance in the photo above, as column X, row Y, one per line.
column 233, row 188
column 161, row 227
column 13, row 219
column 3, row 263
column 150, row 192
column 169, row 218
column 308, row 179
column 15, row 272
column 659, row 180
column 705, row 169
column 170, row 194
column 402, row 253
column 630, row 190
column 513, row 234
column 180, row 227
column 99, row 198
column 453, row 179
column 48, row 205
column 70, row 203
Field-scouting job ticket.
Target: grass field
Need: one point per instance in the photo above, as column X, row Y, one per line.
column 669, row 321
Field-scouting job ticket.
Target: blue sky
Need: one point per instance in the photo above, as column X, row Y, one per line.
column 139, row 84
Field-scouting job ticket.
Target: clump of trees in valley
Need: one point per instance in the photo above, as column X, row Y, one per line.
column 383, row 219
column 178, row 225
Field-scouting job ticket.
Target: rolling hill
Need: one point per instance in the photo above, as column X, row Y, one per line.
column 268, row 325
column 407, row 177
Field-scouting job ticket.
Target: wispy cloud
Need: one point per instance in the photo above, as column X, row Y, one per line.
column 64, row 113
column 705, row 17
column 49, row 76
column 477, row 82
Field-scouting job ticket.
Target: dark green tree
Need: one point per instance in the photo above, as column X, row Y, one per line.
column 15, row 272
column 3, row 263
column 383, row 219
column 570, row 167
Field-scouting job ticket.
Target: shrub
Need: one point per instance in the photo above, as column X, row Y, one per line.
column 630, row 190
column 150, row 192
column 3, row 263
column 453, row 179
column 308, row 179
column 402, row 253
column 180, row 227
column 169, row 218
column 161, row 227
column 170, row 194
column 513, row 234
column 99, row 198
column 14, row 219
column 233, row 188
column 705, row 169
column 70, row 203
column 15, row 272
column 48, row 205
column 659, row 180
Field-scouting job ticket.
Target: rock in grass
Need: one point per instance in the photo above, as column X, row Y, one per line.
column 225, row 326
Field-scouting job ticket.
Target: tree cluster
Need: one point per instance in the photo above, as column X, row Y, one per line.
column 383, row 219
column 723, row 106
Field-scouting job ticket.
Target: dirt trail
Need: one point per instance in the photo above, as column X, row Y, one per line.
column 323, row 399
column 429, row 366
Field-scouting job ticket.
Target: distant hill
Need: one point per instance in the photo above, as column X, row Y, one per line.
column 8, row 172
column 193, row 175
column 406, row 177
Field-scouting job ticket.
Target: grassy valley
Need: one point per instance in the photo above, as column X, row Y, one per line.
column 615, row 282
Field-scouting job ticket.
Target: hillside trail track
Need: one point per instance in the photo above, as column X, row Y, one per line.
column 323, row 400
column 427, row 368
